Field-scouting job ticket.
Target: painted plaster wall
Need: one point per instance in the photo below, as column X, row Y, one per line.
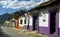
column 23, row 24
column 30, row 23
column 30, row 20
column 6, row 23
column 44, row 26
column 10, row 23
column 59, row 16
column 43, row 23
column 13, row 22
column 41, row 17
column 21, row 18
column 17, row 23
column 26, row 17
column 59, row 21
column 26, row 24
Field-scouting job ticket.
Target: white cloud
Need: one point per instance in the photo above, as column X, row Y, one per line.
column 14, row 4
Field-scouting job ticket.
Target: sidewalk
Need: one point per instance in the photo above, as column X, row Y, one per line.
column 30, row 34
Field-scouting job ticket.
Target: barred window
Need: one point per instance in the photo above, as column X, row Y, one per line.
column 25, row 21
column 21, row 21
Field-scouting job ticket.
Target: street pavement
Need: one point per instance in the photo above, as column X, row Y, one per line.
column 13, row 32
column 8, row 32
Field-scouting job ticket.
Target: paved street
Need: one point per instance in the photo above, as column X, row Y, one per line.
column 13, row 32
column 8, row 32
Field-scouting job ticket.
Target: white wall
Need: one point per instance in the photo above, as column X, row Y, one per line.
column 59, row 17
column 46, row 10
column 23, row 18
column 59, row 20
column 26, row 15
column 26, row 20
column 41, row 23
column 31, row 21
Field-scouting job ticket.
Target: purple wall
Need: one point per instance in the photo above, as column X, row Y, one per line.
column 31, row 28
column 59, row 32
column 46, row 30
column 57, row 23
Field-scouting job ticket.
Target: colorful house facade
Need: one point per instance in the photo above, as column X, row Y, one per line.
column 7, row 22
column 23, row 22
column 13, row 21
column 17, row 22
column 45, row 18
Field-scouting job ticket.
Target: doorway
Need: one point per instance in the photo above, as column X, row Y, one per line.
column 35, row 22
column 52, row 22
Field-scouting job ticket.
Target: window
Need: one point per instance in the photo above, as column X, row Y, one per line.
column 21, row 21
column 25, row 21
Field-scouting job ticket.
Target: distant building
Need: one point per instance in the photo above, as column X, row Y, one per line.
column 13, row 21
column 7, row 22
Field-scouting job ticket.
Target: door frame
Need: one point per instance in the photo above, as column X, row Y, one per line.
column 33, row 21
column 57, row 21
column 53, row 22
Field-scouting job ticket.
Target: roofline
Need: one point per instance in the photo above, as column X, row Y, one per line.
column 44, row 4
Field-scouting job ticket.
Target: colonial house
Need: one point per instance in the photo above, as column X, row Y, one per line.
column 16, row 17
column 21, row 20
column 13, row 21
column 7, row 22
column 45, row 18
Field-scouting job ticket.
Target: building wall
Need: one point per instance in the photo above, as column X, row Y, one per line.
column 13, row 22
column 21, row 26
column 26, row 24
column 6, row 23
column 10, row 23
column 30, row 23
column 17, row 23
column 44, row 26
column 59, row 20
column 41, row 20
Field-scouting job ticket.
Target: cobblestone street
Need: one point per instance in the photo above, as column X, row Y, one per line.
column 8, row 32
column 13, row 32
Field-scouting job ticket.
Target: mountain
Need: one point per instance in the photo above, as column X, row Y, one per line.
column 4, row 16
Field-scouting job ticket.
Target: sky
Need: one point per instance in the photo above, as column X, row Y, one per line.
column 11, row 6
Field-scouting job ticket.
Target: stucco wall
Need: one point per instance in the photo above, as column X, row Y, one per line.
column 59, row 21
column 23, row 24
column 30, row 21
column 44, row 26
column 43, row 23
column 21, row 18
column 46, row 11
